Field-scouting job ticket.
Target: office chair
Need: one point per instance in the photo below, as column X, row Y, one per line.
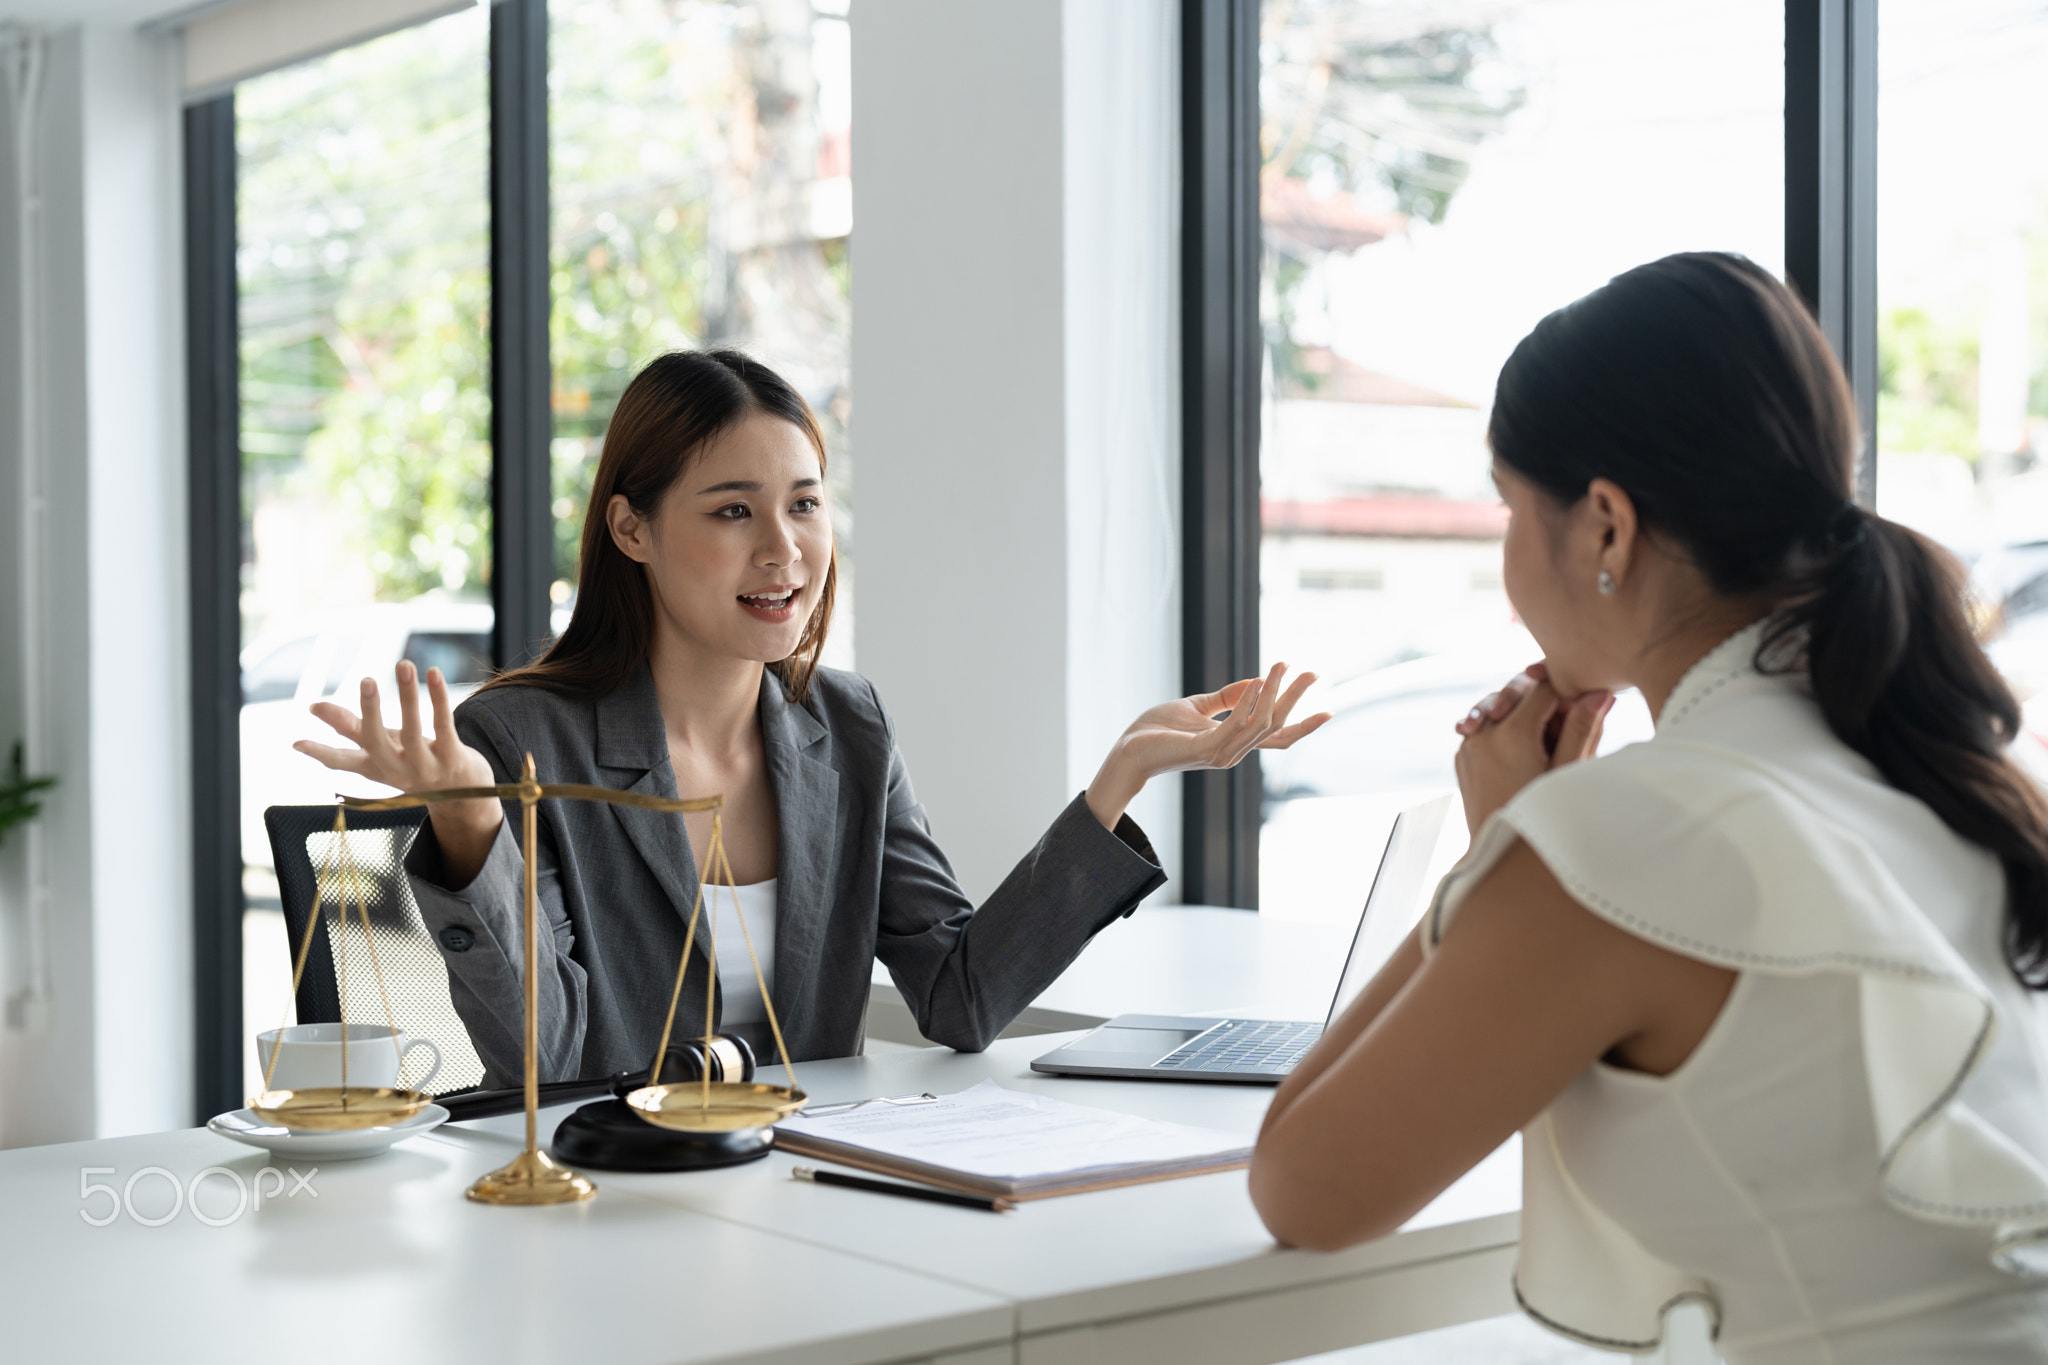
column 301, row 838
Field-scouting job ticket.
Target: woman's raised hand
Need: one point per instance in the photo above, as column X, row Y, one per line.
column 1517, row 734
column 403, row 758
column 406, row 759
column 1196, row 732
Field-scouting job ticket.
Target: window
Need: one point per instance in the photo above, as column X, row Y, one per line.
column 701, row 197
column 375, row 250
column 464, row 659
column 1434, row 180
column 1962, row 307
column 275, row 675
column 363, row 267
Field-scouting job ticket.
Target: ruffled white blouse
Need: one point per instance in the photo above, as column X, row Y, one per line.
column 1854, row 1160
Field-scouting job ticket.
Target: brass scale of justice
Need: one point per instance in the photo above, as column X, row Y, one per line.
column 717, row 1122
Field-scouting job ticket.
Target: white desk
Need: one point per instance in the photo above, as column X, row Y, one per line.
column 1180, row 1271
column 390, row 1263
column 746, row 1265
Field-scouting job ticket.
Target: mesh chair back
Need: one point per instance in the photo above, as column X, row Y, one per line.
column 302, row 840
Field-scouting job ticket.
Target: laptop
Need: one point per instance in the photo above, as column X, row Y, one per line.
column 1172, row 1047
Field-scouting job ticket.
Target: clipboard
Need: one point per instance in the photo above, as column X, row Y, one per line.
column 1010, row 1144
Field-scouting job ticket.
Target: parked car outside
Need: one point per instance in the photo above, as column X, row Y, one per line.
column 285, row 671
column 2009, row 586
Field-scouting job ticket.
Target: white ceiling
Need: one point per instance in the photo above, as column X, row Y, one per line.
column 98, row 11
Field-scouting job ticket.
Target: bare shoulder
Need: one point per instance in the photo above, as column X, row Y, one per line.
column 1657, row 1002
column 1521, row 902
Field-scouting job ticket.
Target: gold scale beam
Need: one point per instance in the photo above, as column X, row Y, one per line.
column 533, row 1177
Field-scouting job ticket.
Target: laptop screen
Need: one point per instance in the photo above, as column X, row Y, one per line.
column 1395, row 901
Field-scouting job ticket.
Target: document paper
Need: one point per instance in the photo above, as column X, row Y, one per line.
column 1009, row 1142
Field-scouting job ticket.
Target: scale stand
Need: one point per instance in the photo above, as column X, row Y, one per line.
column 684, row 1125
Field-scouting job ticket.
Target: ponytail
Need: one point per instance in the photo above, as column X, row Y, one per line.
column 1899, row 676
column 1703, row 388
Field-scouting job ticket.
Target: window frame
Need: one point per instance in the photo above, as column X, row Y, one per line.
column 522, row 377
column 214, row 497
column 1831, row 192
column 1831, row 262
column 1220, row 361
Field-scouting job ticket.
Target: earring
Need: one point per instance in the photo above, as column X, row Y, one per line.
column 1606, row 584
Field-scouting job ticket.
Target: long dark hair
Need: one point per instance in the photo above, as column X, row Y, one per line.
column 667, row 415
column 1701, row 386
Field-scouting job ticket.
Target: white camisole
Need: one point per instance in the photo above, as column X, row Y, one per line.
column 1852, row 1165
column 736, row 984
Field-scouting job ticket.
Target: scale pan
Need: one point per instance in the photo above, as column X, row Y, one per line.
column 729, row 1107
column 332, row 1109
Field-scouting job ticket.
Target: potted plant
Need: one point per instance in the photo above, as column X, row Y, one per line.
column 17, row 793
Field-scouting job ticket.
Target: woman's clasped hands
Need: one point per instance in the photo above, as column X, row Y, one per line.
column 1515, row 735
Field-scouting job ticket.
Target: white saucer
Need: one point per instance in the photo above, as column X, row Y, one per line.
column 244, row 1126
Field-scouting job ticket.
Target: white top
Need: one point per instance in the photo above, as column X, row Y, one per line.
column 1862, row 1135
column 736, row 983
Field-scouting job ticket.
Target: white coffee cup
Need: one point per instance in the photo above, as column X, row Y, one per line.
column 309, row 1057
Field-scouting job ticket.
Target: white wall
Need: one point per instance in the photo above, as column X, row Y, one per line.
column 110, row 1050
column 1121, row 135
column 140, row 598
column 46, row 1073
column 1013, row 334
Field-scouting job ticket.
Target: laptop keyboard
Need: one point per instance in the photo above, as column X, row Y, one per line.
column 1252, row 1045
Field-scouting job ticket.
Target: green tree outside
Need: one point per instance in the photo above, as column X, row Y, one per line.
column 1384, row 106
column 686, row 141
column 363, row 255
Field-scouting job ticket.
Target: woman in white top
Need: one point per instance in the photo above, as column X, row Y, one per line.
column 1757, row 991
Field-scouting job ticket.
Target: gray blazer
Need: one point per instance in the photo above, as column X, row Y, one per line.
column 859, row 877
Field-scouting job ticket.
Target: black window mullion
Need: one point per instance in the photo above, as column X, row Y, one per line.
column 215, row 526
column 1831, row 189
column 1220, row 365
column 522, row 525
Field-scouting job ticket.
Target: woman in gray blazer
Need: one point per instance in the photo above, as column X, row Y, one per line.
column 691, row 665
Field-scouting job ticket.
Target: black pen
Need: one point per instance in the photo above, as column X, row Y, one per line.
column 855, row 1182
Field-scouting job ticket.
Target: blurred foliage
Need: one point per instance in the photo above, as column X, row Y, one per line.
column 1380, row 98
column 364, row 258
column 16, row 790
column 686, row 140
column 1289, row 274
column 688, row 136
column 1927, row 385
column 1387, row 104
column 2037, row 281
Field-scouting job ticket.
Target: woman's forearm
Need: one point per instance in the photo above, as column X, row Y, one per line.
column 486, row 957
column 1377, row 995
column 465, row 830
column 1117, row 783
